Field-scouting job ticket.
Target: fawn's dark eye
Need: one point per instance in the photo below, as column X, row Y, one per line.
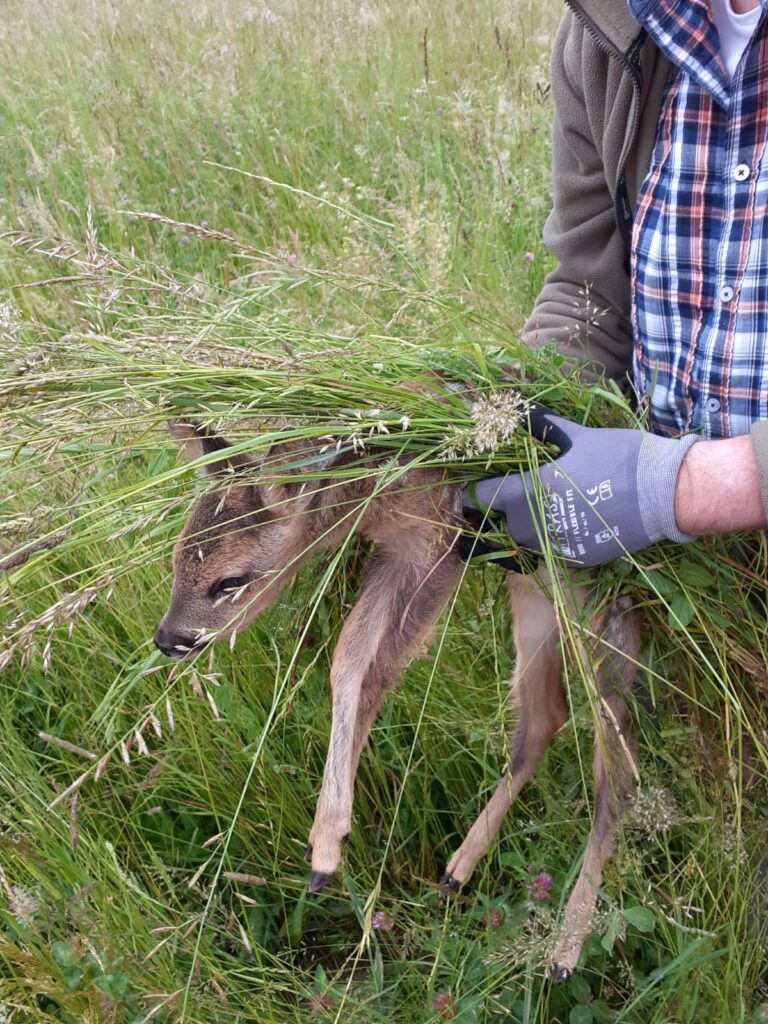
column 227, row 585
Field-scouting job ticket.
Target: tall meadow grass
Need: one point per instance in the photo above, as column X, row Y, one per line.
column 270, row 216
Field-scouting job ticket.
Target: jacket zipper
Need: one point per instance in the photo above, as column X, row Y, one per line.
column 622, row 208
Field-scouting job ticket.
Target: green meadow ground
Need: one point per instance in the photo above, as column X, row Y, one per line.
column 432, row 123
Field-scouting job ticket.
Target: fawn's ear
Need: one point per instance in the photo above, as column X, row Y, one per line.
column 195, row 441
column 290, row 474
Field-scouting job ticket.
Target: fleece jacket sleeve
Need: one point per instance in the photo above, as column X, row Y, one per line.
column 585, row 301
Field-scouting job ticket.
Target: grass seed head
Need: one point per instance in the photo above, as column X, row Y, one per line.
column 653, row 810
column 23, row 905
column 496, row 418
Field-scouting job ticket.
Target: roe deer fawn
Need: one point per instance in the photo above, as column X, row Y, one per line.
column 242, row 545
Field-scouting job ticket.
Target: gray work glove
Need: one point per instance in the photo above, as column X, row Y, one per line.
column 609, row 491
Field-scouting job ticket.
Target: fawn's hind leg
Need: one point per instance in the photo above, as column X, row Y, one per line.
column 537, row 692
column 614, row 768
column 406, row 587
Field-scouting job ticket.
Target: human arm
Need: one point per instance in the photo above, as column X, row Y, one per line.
column 615, row 491
column 718, row 488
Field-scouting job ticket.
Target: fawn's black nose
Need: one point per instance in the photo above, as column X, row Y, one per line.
column 172, row 645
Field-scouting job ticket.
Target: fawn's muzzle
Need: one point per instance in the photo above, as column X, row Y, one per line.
column 172, row 645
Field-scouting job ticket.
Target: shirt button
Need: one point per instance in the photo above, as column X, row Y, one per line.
column 741, row 172
column 726, row 293
column 712, row 405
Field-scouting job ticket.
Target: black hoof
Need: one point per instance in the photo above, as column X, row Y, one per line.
column 452, row 884
column 318, row 880
column 558, row 974
column 308, row 853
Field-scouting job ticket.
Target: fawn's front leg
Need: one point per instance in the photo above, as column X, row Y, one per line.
column 407, row 585
column 357, row 645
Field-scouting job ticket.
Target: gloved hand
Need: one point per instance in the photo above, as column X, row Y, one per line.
column 610, row 491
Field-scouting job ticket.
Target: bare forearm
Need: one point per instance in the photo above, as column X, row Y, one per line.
column 718, row 489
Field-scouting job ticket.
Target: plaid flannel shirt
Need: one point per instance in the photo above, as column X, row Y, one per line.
column 700, row 237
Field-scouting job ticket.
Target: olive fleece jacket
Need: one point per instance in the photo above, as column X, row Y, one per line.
column 607, row 85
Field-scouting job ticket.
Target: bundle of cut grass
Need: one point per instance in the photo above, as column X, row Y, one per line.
column 96, row 406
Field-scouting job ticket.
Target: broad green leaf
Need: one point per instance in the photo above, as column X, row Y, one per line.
column 608, row 940
column 641, row 917
column 580, row 989
column 680, row 612
column 693, row 574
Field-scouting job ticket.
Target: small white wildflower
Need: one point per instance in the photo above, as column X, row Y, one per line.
column 653, row 810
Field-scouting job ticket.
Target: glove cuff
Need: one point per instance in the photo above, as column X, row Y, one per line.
column 657, row 471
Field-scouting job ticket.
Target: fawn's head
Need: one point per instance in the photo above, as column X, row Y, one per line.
column 244, row 541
